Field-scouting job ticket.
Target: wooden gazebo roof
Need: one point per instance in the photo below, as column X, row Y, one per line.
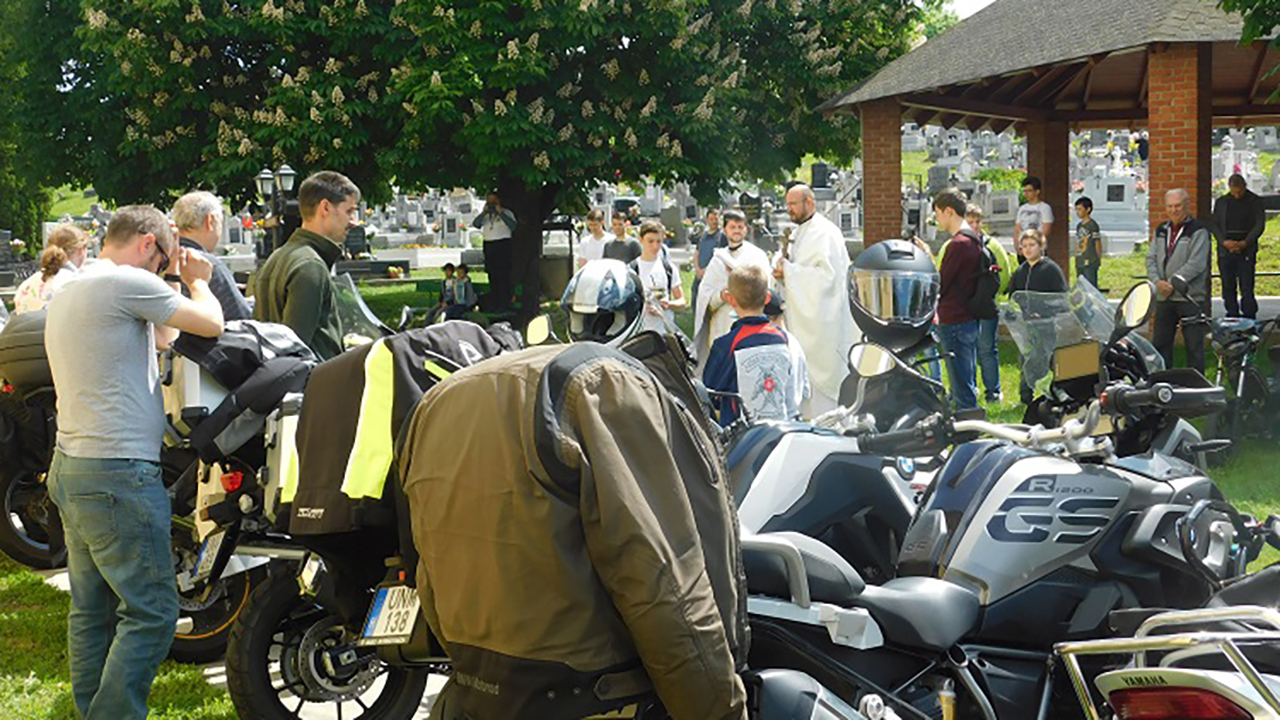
column 1083, row 62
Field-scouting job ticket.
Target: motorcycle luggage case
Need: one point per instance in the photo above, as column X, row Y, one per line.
column 190, row 393
column 282, row 452
column 24, row 364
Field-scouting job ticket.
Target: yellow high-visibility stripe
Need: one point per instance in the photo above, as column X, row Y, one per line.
column 439, row 372
column 372, row 452
column 289, row 485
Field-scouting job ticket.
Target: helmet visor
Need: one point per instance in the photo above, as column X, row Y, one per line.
column 895, row 296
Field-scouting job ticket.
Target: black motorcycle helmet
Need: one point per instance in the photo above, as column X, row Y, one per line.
column 603, row 302
column 893, row 293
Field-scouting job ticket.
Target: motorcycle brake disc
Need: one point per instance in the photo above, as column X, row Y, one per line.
column 322, row 686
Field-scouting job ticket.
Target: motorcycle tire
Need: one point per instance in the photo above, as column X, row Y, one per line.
column 30, row 527
column 204, row 624
column 275, row 649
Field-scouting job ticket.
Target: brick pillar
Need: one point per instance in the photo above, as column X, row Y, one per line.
column 1180, row 120
column 881, row 170
column 1047, row 150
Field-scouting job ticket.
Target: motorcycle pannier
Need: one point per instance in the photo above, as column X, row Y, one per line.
column 24, row 364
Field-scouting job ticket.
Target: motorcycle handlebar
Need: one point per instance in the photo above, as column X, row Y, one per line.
column 1130, row 401
column 891, row 443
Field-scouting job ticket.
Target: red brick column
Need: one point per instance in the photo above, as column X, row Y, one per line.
column 1180, row 120
column 1047, row 156
column 881, row 170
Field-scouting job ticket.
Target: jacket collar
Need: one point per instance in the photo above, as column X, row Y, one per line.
column 189, row 243
column 751, row 320
column 328, row 250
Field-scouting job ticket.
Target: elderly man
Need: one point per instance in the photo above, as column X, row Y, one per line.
column 713, row 315
column 295, row 286
column 814, row 275
column 1238, row 222
column 1179, row 250
column 101, row 336
column 199, row 218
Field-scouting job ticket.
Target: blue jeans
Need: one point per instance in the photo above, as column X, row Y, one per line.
column 960, row 341
column 933, row 368
column 124, row 597
column 989, row 355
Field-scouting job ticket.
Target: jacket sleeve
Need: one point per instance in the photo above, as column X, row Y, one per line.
column 1259, row 223
column 304, row 297
column 1197, row 264
column 644, row 544
column 1218, row 221
column 509, row 218
column 1058, row 280
column 1153, row 259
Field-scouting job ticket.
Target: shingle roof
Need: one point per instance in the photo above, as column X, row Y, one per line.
column 1012, row 35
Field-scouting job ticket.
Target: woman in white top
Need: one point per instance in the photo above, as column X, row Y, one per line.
column 659, row 278
column 64, row 252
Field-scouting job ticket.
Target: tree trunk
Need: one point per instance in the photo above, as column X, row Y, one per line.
column 532, row 206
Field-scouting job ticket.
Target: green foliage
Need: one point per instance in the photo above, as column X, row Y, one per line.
column 1001, row 179
column 938, row 18
column 146, row 98
column 23, row 202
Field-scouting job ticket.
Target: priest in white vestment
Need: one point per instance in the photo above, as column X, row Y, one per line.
column 814, row 274
column 713, row 315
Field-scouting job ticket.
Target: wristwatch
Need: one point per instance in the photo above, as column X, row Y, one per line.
column 170, row 277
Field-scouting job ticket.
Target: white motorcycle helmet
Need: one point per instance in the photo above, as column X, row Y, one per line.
column 604, row 301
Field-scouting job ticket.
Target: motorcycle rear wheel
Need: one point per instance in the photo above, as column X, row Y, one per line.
column 276, row 671
column 30, row 527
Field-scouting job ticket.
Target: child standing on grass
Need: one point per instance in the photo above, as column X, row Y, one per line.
column 1088, row 242
column 754, row 358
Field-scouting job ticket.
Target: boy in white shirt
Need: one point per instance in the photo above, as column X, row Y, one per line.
column 1035, row 213
column 591, row 247
column 660, row 279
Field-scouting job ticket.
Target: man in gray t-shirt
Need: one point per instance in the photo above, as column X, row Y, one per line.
column 101, row 335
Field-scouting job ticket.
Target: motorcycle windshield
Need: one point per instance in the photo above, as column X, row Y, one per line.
column 359, row 325
column 1043, row 322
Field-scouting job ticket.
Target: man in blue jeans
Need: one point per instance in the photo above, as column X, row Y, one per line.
column 101, row 335
column 958, row 273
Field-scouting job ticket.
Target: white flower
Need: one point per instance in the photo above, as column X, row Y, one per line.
column 649, row 107
column 246, row 146
column 315, row 115
column 630, row 138
column 611, row 69
column 337, row 96
column 644, row 76
column 566, row 132
column 676, row 151
column 435, row 79
column 587, row 109
column 511, row 98
column 475, row 29
column 541, row 161
column 499, row 108
column 337, row 143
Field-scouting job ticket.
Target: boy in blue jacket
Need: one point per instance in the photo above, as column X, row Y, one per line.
column 753, row 359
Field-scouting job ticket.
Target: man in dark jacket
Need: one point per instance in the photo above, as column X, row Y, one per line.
column 1179, row 251
column 578, row 543
column 957, row 325
column 1238, row 222
column 295, row 285
column 199, row 217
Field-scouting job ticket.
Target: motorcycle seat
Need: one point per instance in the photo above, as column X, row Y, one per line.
column 921, row 612
column 831, row 578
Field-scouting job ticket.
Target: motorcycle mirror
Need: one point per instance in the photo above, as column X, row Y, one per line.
column 537, row 331
column 1134, row 309
column 870, row 360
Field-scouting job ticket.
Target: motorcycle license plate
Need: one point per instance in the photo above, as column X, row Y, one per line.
column 391, row 617
column 208, row 555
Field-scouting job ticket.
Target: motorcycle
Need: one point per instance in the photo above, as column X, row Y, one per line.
column 1046, row 326
column 1020, row 543
column 1220, row 661
column 1251, row 401
column 813, row 478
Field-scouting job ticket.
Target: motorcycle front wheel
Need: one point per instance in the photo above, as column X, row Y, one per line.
column 30, row 527
column 281, row 664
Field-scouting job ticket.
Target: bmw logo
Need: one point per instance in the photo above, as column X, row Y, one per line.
column 906, row 467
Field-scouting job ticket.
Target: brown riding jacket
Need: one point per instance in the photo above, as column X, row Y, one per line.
column 579, row 545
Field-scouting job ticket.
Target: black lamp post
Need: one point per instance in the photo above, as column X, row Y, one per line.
column 276, row 190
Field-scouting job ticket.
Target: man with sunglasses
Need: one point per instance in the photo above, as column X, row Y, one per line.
column 101, row 336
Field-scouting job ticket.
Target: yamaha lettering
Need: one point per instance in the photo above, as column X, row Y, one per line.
column 1028, row 515
column 1144, row 681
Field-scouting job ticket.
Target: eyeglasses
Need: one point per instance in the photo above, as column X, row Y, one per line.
column 164, row 254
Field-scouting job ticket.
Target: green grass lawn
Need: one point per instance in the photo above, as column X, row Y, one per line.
column 70, row 201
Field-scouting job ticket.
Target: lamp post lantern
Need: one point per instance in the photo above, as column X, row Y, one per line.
column 276, row 190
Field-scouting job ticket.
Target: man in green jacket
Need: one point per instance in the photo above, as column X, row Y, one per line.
column 295, row 285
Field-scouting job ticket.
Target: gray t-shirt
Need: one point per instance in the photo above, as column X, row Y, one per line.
column 102, row 351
